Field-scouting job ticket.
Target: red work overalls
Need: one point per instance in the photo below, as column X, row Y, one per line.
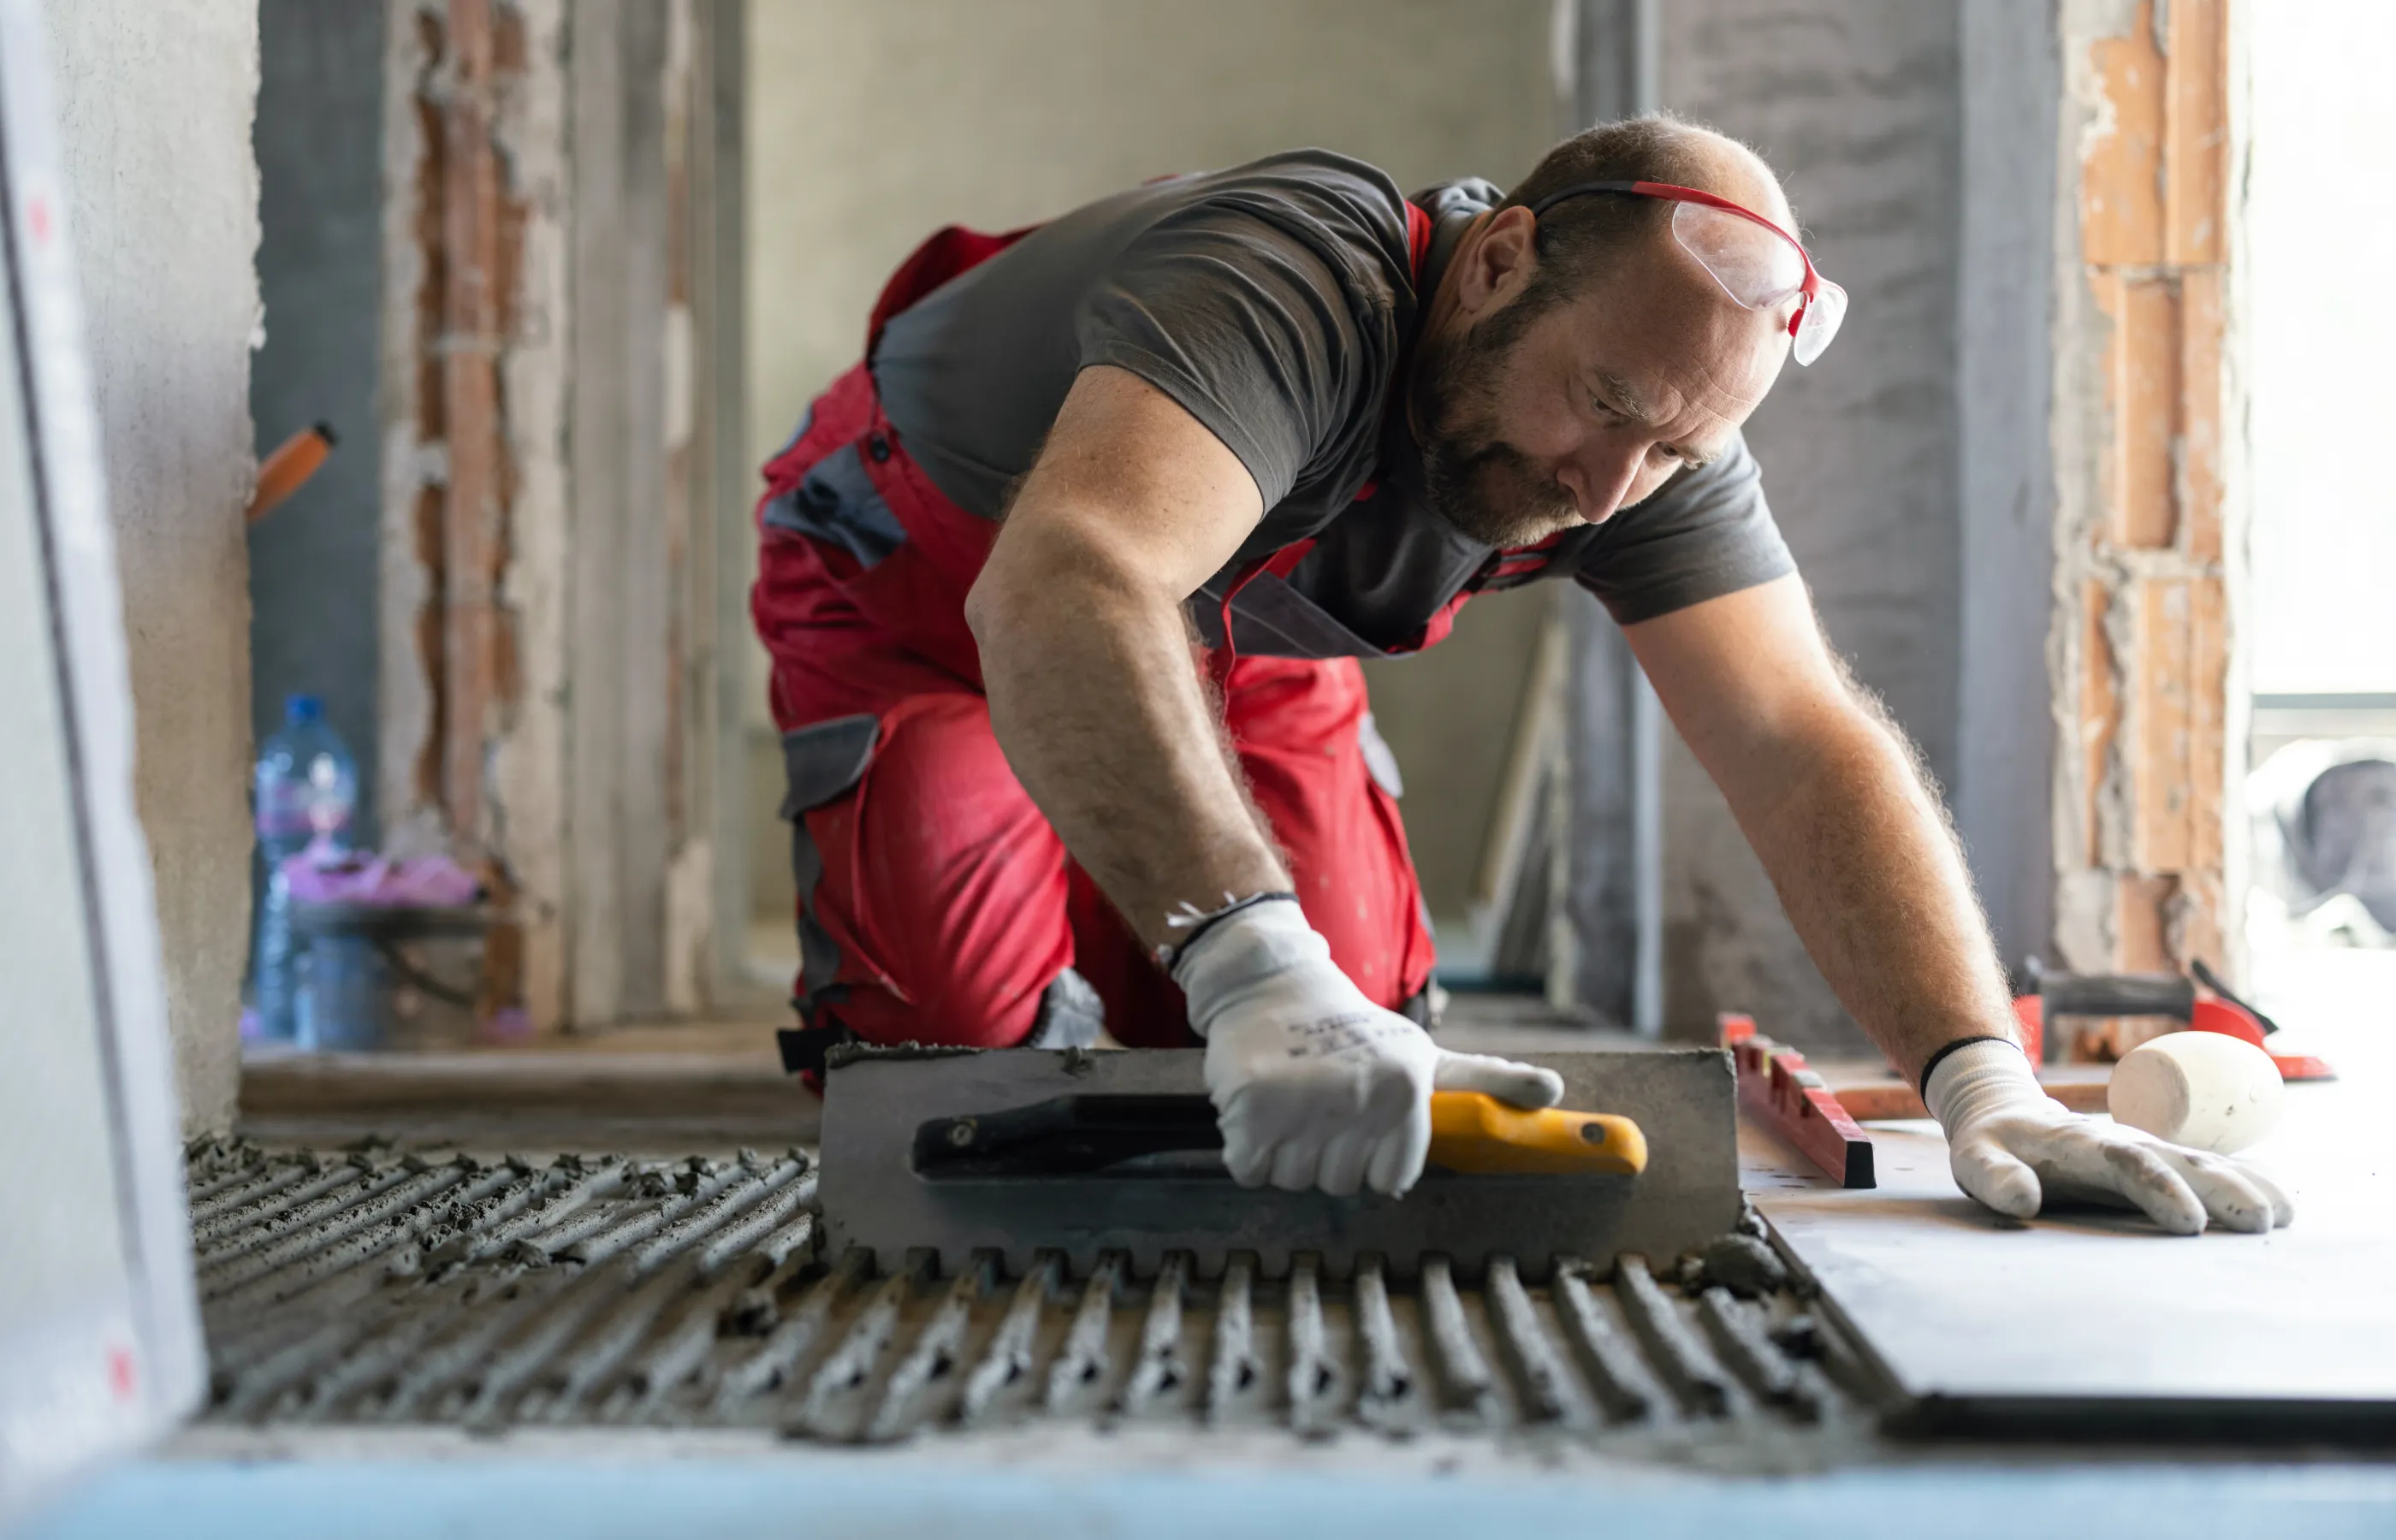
column 935, row 904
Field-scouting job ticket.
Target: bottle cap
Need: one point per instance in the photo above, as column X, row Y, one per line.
column 301, row 709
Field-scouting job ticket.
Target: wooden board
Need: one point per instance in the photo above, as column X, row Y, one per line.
column 2093, row 1320
column 1871, row 1091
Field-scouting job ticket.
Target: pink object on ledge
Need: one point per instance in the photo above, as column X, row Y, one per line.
column 417, row 881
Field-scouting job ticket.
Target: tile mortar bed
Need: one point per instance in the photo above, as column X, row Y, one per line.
column 371, row 1287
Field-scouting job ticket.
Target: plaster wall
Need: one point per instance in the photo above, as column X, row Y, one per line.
column 1855, row 102
column 156, row 105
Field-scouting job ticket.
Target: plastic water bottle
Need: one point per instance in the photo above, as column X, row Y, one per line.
column 306, row 788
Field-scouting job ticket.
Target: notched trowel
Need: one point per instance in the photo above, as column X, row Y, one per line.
column 1135, row 1136
column 1023, row 1150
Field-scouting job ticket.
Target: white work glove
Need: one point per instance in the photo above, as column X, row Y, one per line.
column 1316, row 1085
column 2009, row 1144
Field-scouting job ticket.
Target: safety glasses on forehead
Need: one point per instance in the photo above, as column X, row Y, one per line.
column 1759, row 271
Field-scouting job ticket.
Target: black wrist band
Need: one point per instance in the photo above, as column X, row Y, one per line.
column 1170, row 956
column 1940, row 1057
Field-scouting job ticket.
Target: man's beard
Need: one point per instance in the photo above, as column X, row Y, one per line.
column 1486, row 488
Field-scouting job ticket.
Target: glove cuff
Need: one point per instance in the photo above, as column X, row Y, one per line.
column 1193, row 925
column 1239, row 947
column 1978, row 1074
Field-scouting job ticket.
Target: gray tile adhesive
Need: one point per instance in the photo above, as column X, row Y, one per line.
column 373, row 1287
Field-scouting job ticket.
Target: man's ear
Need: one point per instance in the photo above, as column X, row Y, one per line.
column 1500, row 262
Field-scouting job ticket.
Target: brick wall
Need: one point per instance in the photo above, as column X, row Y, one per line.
column 472, row 385
column 2143, row 635
column 549, row 596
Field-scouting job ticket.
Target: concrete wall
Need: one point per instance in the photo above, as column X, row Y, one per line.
column 1857, row 104
column 871, row 125
column 155, row 103
column 312, row 564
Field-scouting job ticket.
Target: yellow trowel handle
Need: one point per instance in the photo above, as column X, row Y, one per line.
column 1473, row 1132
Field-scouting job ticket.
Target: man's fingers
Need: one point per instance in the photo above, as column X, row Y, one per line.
column 1398, row 1155
column 1521, row 1084
column 2234, row 1197
column 2282, row 1208
column 2139, row 1173
column 1249, row 1162
column 1246, row 1156
column 1294, row 1164
column 1990, row 1173
column 1342, row 1171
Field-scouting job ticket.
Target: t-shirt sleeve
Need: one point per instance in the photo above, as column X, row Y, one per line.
column 1707, row 533
column 1241, row 324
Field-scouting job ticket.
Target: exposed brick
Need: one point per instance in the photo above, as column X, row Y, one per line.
column 2196, row 132
column 2203, row 321
column 2208, row 698
column 2154, row 196
column 2192, row 919
column 2147, row 393
column 430, row 632
column 472, row 536
column 2100, row 713
column 2121, row 178
column 511, row 47
column 2141, row 923
column 2158, row 761
column 2182, row 674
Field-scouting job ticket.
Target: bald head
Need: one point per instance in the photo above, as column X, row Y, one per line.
column 1580, row 238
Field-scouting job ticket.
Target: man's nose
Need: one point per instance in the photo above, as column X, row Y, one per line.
column 1599, row 481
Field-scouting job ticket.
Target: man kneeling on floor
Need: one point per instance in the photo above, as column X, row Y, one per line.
column 1066, row 586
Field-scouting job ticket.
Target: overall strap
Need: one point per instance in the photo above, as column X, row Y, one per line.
column 950, row 250
column 1418, row 241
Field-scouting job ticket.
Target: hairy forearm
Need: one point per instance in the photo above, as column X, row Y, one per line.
column 1871, row 875
column 1095, row 699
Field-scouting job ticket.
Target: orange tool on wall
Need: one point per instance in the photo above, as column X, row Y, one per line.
column 288, row 468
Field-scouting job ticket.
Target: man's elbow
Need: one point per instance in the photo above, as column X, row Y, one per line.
column 1020, row 576
column 1032, row 583
column 991, row 605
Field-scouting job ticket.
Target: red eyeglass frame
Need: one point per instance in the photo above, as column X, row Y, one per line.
column 1809, row 291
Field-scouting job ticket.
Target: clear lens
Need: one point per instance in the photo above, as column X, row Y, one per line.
column 1755, row 265
column 1820, row 321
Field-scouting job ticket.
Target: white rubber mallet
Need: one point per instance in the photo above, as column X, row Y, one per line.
column 2204, row 1090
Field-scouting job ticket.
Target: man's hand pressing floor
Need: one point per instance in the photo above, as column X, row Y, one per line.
column 2011, row 1146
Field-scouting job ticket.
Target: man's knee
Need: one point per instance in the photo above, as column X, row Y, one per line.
column 931, row 892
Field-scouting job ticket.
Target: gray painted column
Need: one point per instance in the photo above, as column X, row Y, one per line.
column 2004, row 330
column 1612, row 892
column 314, row 563
column 624, row 602
column 727, row 483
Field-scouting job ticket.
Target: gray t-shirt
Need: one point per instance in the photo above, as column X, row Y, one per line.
column 1275, row 302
